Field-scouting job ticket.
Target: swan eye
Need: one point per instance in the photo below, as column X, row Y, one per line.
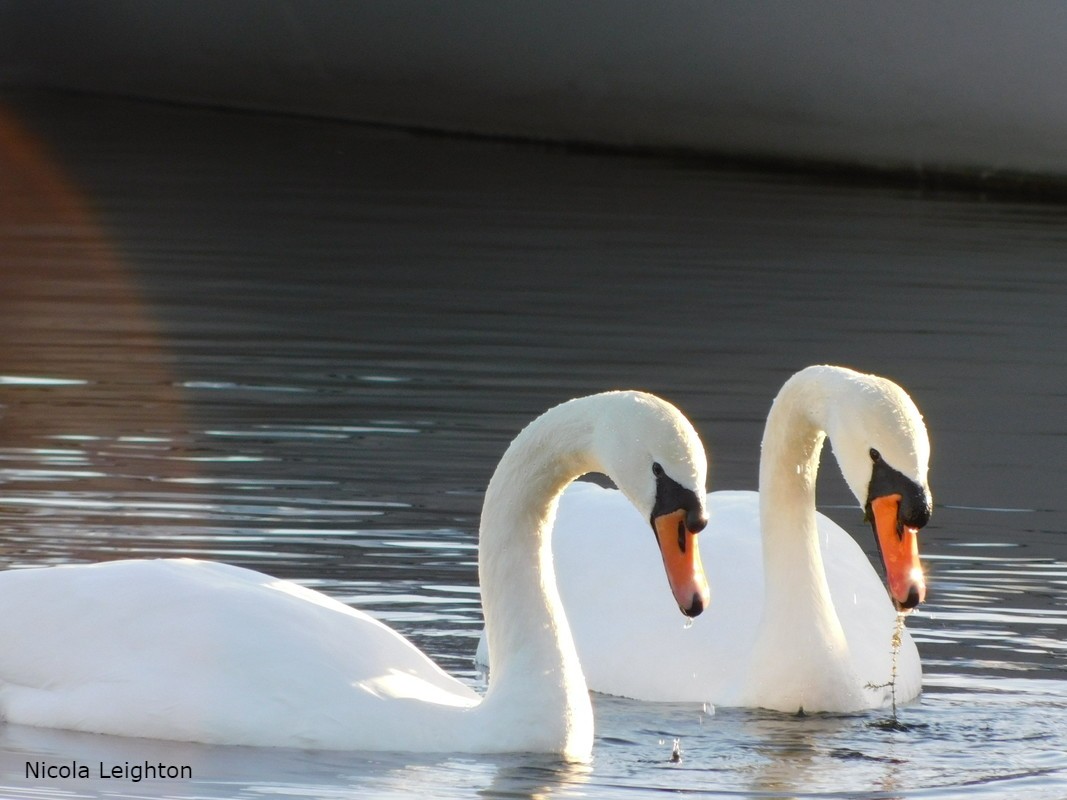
column 657, row 470
column 875, row 456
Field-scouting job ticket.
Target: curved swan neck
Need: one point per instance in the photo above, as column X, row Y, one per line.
column 533, row 662
column 801, row 645
column 789, row 465
column 815, row 403
column 789, row 460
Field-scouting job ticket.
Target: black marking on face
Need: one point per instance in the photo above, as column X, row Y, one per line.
column 672, row 496
column 916, row 505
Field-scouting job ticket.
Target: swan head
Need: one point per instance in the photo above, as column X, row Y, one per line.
column 655, row 457
column 882, row 446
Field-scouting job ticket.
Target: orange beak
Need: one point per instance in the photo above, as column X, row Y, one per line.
column 681, row 559
column 900, row 553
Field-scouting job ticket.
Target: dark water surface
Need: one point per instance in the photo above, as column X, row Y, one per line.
column 301, row 347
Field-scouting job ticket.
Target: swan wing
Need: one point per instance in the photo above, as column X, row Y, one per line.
column 201, row 651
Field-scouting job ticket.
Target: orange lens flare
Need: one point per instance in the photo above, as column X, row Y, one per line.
column 681, row 560
column 900, row 553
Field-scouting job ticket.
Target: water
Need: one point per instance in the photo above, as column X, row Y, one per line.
column 301, row 347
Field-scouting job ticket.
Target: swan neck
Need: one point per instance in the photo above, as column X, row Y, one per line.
column 533, row 662
column 789, row 460
column 795, row 585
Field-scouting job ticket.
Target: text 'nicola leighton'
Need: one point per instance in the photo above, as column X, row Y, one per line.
column 135, row 773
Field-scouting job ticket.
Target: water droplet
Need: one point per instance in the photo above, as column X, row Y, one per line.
column 688, row 623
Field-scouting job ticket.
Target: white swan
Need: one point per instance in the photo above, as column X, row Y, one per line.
column 799, row 618
column 200, row 651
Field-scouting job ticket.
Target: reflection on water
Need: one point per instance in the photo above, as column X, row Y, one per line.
column 224, row 772
column 301, row 347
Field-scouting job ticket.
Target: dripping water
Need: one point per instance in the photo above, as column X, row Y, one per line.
column 897, row 638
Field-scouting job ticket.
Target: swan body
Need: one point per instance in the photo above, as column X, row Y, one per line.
column 799, row 619
column 200, row 651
